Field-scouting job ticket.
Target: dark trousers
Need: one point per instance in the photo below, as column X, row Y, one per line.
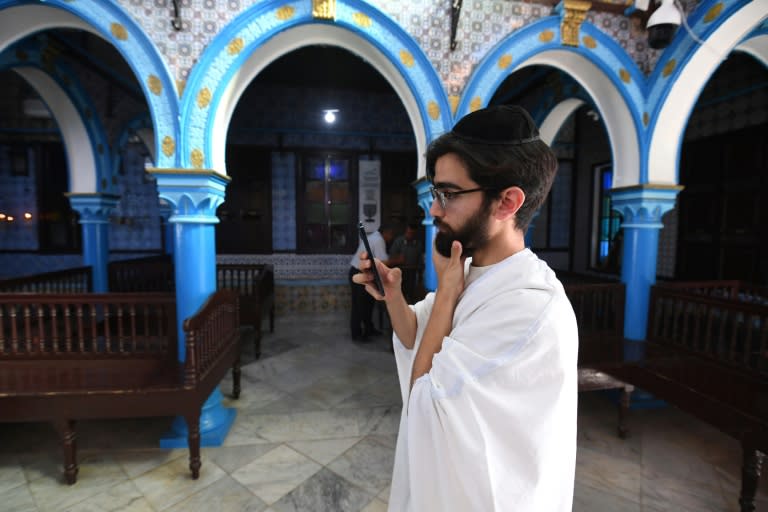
column 361, row 319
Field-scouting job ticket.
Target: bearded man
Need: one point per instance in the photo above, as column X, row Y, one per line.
column 487, row 363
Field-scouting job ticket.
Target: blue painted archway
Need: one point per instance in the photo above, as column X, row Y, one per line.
column 610, row 77
column 273, row 28
column 20, row 18
column 85, row 140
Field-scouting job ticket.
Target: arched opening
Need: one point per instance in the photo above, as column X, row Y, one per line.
column 575, row 228
column 722, row 209
column 301, row 183
column 64, row 117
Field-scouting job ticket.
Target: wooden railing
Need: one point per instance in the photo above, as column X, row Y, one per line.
column 81, row 326
column 730, row 290
column 213, row 329
column 151, row 274
column 74, row 280
column 728, row 330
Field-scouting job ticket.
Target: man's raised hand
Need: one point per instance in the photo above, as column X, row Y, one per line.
column 391, row 278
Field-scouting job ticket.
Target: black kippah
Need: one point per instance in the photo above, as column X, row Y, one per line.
column 497, row 125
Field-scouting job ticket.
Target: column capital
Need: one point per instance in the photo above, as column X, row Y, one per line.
column 93, row 208
column 642, row 206
column 165, row 208
column 193, row 194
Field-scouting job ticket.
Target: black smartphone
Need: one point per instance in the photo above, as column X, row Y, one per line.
column 376, row 276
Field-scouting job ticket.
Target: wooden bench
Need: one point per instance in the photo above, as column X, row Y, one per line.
column 70, row 357
column 707, row 354
column 255, row 284
column 599, row 309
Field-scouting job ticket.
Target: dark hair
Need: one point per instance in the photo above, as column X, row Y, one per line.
column 530, row 166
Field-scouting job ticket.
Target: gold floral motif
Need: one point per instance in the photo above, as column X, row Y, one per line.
column 406, row 58
column 475, row 104
column 575, row 12
column 324, row 9
column 546, row 36
column 624, row 75
column 197, row 158
column 118, row 31
column 284, row 13
column 505, row 61
column 361, row 20
column 713, row 12
column 155, row 85
column 203, row 97
column 453, row 100
column 669, row 67
column 235, row 46
column 433, row 109
column 646, row 118
column 589, row 42
column 168, row 145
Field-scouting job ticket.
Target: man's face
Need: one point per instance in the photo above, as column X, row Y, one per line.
column 465, row 217
column 410, row 234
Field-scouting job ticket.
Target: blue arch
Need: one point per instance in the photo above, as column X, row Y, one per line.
column 109, row 21
column 674, row 85
column 29, row 54
column 539, row 43
column 257, row 25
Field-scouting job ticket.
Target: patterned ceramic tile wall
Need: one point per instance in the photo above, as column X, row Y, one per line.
column 305, row 299
column 18, row 195
column 283, row 201
column 135, row 223
column 483, row 23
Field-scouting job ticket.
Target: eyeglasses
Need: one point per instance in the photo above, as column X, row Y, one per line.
column 443, row 196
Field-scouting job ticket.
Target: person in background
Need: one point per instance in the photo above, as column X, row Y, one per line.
column 487, row 363
column 407, row 252
column 361, row 315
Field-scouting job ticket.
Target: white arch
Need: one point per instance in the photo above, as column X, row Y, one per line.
column 77, row 143
column 757, row 47
column 19, row 22
column 617, row 117
column 298, row 37
column 672, row 118
column 556, row 117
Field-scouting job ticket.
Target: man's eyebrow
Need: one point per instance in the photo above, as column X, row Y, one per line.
column 444, row 184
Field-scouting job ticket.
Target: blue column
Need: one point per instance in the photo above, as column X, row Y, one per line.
column 166, row 210
column 94, row 210
column 425, row 202
column 194, row 196
column 642, row 207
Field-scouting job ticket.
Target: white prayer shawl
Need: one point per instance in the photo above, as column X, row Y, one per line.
column 492, row 426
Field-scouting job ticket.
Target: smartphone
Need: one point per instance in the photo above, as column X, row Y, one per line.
column 376, row 276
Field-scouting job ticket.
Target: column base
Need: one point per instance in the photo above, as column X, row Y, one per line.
column 215, row 422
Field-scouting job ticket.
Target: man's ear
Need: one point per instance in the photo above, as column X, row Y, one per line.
column 512, row 198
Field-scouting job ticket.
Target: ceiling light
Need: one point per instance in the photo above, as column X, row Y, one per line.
column 330, row 115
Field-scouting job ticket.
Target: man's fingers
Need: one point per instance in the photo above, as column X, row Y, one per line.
column 456, row 251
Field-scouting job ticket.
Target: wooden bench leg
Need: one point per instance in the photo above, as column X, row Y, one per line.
column 750, row 475
column 193, row 426
column 236, row 378
column 626, row 394
column 66, row 430
column 257, row 338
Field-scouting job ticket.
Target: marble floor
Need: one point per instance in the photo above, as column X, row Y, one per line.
column 315, row 431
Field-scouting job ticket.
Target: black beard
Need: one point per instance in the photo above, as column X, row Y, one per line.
column 472, row 235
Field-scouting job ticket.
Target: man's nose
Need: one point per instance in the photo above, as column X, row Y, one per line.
column 435, row 209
